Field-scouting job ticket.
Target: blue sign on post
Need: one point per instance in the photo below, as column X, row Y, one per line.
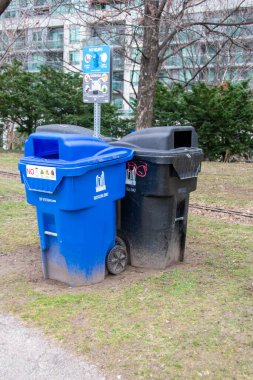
column 97, row 74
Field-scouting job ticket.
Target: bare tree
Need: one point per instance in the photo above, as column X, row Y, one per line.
column 3, row 5
column 161, row 29
column 224, row 56
column 177, row 18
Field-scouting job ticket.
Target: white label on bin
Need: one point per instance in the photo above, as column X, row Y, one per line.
column 49, row 200
column 41, row 172
column 131, row 177
column 100, row 196
column 100, row 182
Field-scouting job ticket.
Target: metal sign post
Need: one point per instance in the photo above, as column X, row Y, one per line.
column 97, row 80
column 97, row 119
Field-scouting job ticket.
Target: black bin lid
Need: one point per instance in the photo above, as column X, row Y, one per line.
column 176, row 145
column 163, row 138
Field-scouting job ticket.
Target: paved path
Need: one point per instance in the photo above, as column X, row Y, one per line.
column 26, row 354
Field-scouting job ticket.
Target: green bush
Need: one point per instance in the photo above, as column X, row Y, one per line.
column 222, row 115
column 47, row 97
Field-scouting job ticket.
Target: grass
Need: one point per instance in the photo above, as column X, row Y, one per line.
column 183, row 323
column 9, row 161
column 190, row 322
column 225, row 185
column 18, row 225
column 10, row 187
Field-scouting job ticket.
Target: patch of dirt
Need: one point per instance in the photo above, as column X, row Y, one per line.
column 25, row 262
column 16, row 197
column 231, row 218
column 193, row 258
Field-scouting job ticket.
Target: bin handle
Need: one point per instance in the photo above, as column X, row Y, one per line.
column 49, row 233
column 112, row 151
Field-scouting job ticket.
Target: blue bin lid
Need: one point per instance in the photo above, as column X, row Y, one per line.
column 70, row 150
column 61, row 156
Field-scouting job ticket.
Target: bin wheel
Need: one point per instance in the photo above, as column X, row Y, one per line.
column 121, row 242
column 116, row 260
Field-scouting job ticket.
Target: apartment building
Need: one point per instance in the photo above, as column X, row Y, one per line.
column 53, row 32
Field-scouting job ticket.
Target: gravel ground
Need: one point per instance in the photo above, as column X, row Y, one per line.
column 26, row 354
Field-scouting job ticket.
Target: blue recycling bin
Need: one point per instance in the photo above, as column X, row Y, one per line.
column 74, row 182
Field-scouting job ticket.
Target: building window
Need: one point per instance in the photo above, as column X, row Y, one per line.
column 118, row 81
column 104, row 4
column 10, row 14
column 20, row 42
column 238, row 56
column 118, row 76
column 55, row 38
column 40, row 3
column 118, row 60
column 11, row 11
column 118, row 86
column 74, row 57
column 134, row 77
column 64, row 6
column 23, row 3
column 36, row 35
column 136, row 54
column 98, row 5
column 41, row 7
column 183, row 36
column 37, row 60
column 211, row 75
column 164, row 77
column 184, row 75
column 113, row 34
column 4, row 40
column 74, row 34
column 118, row 102
column 55, row 60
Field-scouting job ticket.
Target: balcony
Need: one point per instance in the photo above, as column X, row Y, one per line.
column 105, row 38
column 34, row 66
column 35, row 45
column 41, row 3
column 57, row 65
column 53, row 44
column 41, row 7
column 20, row 45
column 92, row 41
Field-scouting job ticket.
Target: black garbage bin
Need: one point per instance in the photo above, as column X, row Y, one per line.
column 159, row 179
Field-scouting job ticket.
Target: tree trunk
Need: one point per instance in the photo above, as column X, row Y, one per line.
column 3, row 5
column 149, row 66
